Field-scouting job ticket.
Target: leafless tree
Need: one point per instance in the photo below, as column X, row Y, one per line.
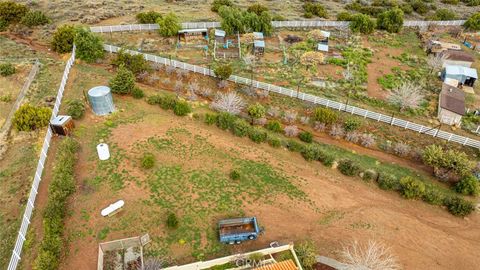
column 263, row 93
column 222, row 84
column 407, row 95
column 290, row 117
column 169, row 70
column 352, row 136
column 181, row 73
column 348, row 74
column 368, row 256
column 193, row 87
column 401, row 149
column 153, row 79
column 274, row 111
column 337, row 131
column 305, row 120
column 205, row 92
column 248, row 91
column 319, row 126
column 367, row 140
column 260, row 121
column 436, row 62
column 178, row 88
column 291, row 131
column 229, row 102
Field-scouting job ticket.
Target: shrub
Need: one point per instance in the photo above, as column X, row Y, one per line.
column 388, row 182
column 472, row 3
column 307, row 253
column 234, row 175
column 406, row 8
column 274, row 126
column 137, row 93
column 306, row 136
column 257, row 135
column 325, row 115
column 468, row 186
column 327, row 159
column 256, row 111
column 172, row 221
column 34, row 18
column 311, row 152
column 337, row 131
column 63, row 38
column 75, row 108
column 225, row 120
column 458, row 206
column 274, row 141
column 123, row 83
column 135, row 63
column 223, row 72
column 433, row 196
column 210, row 118
column 28, row 117
column 369, row 175
column 362, row 23
column 169, row 25
column 401, row 149
column 451, row 2
column 182, row 108
column 168, row 102
column 391, row 20
column 351, row 124
column 219, row 3
column 367, row 140
column 148, row 17
column 308, row 15
column 154, row 99
column 148, row 161
column 443, row 14
column 7, row 69
column 241, row 128
column 12, row 12
column 315, row 9
column 257, row 9
column 453, row 161
column 3, row 24
column 344, row 16
column 291, row 131
column 348, row 167
column 473, row 23
column 89, row 46
column 294, row 146
column 352, row 136
column 412, row 188
column 419, row 6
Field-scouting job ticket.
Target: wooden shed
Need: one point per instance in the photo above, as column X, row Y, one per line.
column 451, row 106
column 62, row 125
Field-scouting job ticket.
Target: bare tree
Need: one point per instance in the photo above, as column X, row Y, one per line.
column 319, row 126
column 352, row 136
column 337, row 131
column 407, row 95
column 169, row 70
column 401, row 149
column 193, row 89
column 291, row 131
column 369, row 256
column 229, row 102
column 367, row 140
column 222, row 84
column 178, row 88
column 290, row 116
column 436, row 62
column 274, row 111
column 205, row 92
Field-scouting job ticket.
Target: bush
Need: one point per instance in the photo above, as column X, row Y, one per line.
column 433, row 196
column 472, row 3
column 468, row 186
column 348, row 167
column 3, row 24
column 406, row 8
column 137, row 93
column 451, row 2
column 458, row 206
column 123, row 83
column 306, row 136
column 361, row 23
column 172, row 221
column 223, row 72
column 148, row 161
column 63, row 38
column 235, row 175
column 306, row 253
column 326, row 159
column 169, row 25
column 210, row 118
column 182, row 108
column 294, row 146
column 257, row 135
column 388, row 182
column 154, row 100
column 452, row 161
column 28, row 117
column 351, row 124
column 219, row 3
column 256, row 111
column 274, row 141
column 473, row 23
column 7, row 69
column 75, row 108
column 257, row 9
column 168, row 102
column 325, row 115
column 274, row 126
column 34, row 18
column 344, row 16
column 315, row 9
column 419, row 6
column 150, row 17
column 444, row 14
column 12, row 12
column 291, row 131
column 391, row 20
column 311, row 152
column 240, row 128
column 225, row 120
column 135, row 63
column 89, row 46
column 369, row 175
column 412, row 188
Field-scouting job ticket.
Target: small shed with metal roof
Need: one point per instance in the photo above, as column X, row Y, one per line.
column 451, row 105
column 258, row 46
column 464, row 75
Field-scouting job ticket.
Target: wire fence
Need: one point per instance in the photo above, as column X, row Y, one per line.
column 27, row 215
column 276, row 24
column 435, row 132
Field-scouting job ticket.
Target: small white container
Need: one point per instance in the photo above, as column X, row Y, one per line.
column 103, row 152
column 112, row 208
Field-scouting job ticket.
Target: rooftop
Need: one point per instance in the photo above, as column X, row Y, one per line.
column 460, row 70
column 199, row 30
column 258, row 35
column 322, row 47
column 219, row 33
column 452, row 99
column 259, row 44
column 60, row 120
column 458, row 56
column 283, row 265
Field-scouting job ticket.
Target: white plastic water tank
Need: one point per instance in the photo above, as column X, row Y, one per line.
column 103, row 152
column 112, row 208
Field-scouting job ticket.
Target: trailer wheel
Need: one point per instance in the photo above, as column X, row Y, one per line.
column 251, row 237
column 231, row 243
column 238, row 242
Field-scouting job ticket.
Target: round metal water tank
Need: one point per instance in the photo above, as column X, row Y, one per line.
column 101, row 100
column 103, row 152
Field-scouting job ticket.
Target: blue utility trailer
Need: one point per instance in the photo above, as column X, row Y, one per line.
column 237, row 230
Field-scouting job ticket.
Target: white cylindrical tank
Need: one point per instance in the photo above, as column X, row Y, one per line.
column 103, row 152
column 101, row 101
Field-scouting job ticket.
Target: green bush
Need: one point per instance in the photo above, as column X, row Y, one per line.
column 168, row 102
column 34, row 18
column 472, row 3
column 12, row 12
column 182, row 108
column 135, row 63
column 75, row 108
column 274, row 141
column 274, row 126
column 256, row 111
column 316, row 9
column 210, row 118
column 451, row 2
column 257, row 134
column 137, row 93
column 294, row 146
column 305, row 136
column 28, row 117
column 235, row 175
column 308, row 15
column 419, row 6
column 3, row 24
column 361, row 23
column 225, row 120
column 344, row 16
column 326, row 159
column 172, row 221
column 149, row 17
column 433, row 196
column 154, row 99
column 388, row 182
column 369, row 175
column 219, row 3
column 307, row 254
column 473, row 23
column 311, row 152
column 444, row 14
column 458, row 206
column 7, row 69
column 123, row 83
column 63, row 38
column 453, row 161
column 351, row 124
column 148, row 161
column 348, row 167
column 169, row 25
column 406, row 8
column 89, row 45
column 257, row 9
column 223, row 72
column 412, row 188
column 325, row 115
column 240, row 128
column 468, row 186
column 391, row 20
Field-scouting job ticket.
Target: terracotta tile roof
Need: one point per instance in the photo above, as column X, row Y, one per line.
column 458, row 56
column 283, row 265
column 452, row 99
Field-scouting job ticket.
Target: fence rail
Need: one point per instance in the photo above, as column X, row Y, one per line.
column 435, row 132
column 27, row 215
column 276, row 24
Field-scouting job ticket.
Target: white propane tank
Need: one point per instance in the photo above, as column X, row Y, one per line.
column 103, row 152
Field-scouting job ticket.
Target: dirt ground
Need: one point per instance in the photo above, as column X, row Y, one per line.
column 421, row 236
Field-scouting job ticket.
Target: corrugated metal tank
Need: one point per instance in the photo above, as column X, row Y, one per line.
column 101, row 100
